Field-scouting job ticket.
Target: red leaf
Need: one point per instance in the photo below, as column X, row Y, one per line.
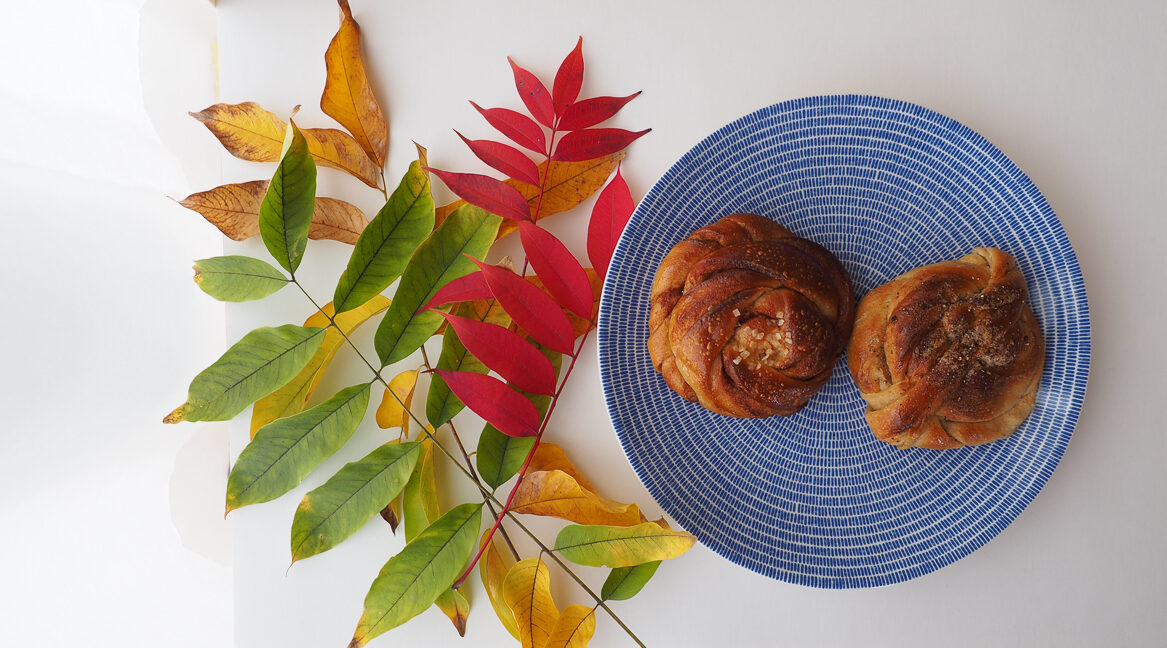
column 530, row 308
column 521, row 129
column 589, row 112
column 592, row 143
column 495, row 196
column 506, row 159
column 471, row 287
column 568, row 79
column 507, row 352
column 561, row 273
column 491, row 398
column 613, row 209
column 535, row 97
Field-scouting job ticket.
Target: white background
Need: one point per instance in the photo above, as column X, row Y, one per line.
column 115, row 534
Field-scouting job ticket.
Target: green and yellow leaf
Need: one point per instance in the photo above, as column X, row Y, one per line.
column 625, row 582
column 391, row 413
column 574, row 629
column 555, row 493
column 419, row 502
column 335, row 510
column 439, row 260
column 261, row 362
column 348, row 98
column 385, row 246
column 234, row 209
column 237, row 278
column 527, row 590
column 621, row 546
column 291, row 398
column 412, row 580
column 454, row 605
column 286, row 211
column 493, row 569
column 283, row 452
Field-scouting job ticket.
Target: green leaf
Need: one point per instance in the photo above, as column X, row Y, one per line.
column 419, row 501
column 500, row 456
column 253, row 367
column 237, row 278
column 441, row 404
column 286, row 211
column 284, row 451
column 618, row 546
column 625, row 582
column 412, row 580
column 336, row 509
column 383, row 249
column 439, row 260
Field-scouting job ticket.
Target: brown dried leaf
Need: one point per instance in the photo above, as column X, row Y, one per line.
column 251, row 133
column 567, row 185
column 234, row 209
column 348, row 98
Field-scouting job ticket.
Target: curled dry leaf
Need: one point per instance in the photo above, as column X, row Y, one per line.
column 554, row 493
column 527, row 591
column 565, row 185
column 348, row 98
column 493, row 569
column 234, row 209
column 391, row 413
column 251, row 133
column 575, row 628
column 291, row 398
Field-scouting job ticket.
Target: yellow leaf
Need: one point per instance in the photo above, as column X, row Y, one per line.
column 549, row 456
column 527, row 590
column 576, row 626
column 493, row 568
column 251, row 133
column 348, row 98
column 391, row 413
column 291, row 398
column 557, row 494
column 455, row 606
column 567, row 185
column 234, row 209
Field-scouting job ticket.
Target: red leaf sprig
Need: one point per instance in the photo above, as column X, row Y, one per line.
column 570, row 136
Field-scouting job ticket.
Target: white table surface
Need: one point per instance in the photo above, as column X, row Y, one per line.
column 1073, row 92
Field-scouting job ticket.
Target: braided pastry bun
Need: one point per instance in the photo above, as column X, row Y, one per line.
column 747, row 318
column 948, row 354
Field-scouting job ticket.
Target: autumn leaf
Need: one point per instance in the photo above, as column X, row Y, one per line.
column 495, row 401
column 610, row 216
column 234, row 209
column 589, row 112
column 493, row 569
column 575, row 628
column 519, row 128
column 590, row 143
column 454, row 605
column 527, row 590
column 505, row 159
column 441, row 405
column 419, row 500
column 534, row 95
column 391, row 413
column 391, row 515
column 561, row 273
column 495, row 196
column 549, row 456
column 471, row 287
column 348, row 98
column 554, row 493
column 249, row 132
column 565, row 185
column 499, row 456
column 621, row 546
column 290, row 398
column 529, row 307
column 568, row 79
column 506, row 353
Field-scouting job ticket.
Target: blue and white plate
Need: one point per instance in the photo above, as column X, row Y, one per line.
column 814, row 498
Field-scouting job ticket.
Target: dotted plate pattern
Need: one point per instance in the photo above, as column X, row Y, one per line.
column 814, row 498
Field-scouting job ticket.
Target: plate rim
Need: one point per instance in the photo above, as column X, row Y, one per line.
column 1084, row 346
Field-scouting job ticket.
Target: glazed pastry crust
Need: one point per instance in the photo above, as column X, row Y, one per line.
column 747, row 318
column 948, row 354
